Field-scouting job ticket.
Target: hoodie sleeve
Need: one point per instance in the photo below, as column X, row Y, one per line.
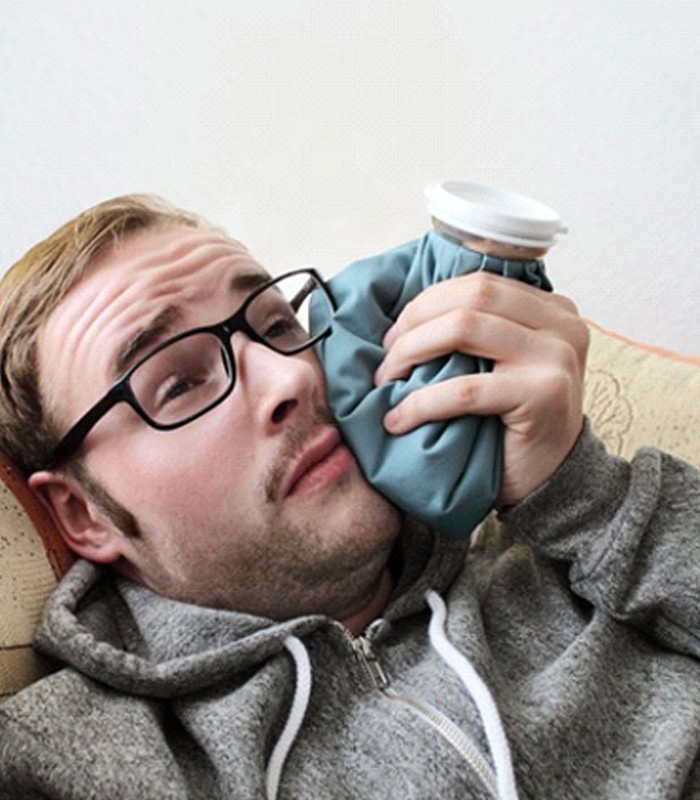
column 630, row 532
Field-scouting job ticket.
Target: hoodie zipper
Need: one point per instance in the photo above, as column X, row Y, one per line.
column 436, row 719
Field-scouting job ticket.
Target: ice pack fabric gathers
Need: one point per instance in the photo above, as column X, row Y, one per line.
column 446, row 474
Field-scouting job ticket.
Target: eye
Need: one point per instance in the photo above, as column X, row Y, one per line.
column 282, row 326
column 179, row 386
column 181, row 378
column 180, row 392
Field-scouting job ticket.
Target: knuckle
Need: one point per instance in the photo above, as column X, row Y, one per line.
column 484, row 287
column 566, row 350
column 461, row 324
column 576, row 329
column 568, row 357
column 583, row 339
column 466, row 393
column 566, row 303
column 556, row 388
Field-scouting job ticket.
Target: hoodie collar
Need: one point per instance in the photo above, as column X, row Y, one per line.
column 134, row 640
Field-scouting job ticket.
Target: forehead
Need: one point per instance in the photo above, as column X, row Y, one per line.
column 157, row 259
column 192, row 271
column 148, row 269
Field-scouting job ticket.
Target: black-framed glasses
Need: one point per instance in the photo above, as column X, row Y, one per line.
column 192, row 372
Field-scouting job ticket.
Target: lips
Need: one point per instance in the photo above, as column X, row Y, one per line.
column 319, row 464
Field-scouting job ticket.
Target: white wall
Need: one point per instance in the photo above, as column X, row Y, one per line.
column 310, row 127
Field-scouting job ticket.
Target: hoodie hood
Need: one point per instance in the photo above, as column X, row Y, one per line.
column 127, row 637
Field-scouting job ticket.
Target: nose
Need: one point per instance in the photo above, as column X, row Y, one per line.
column 276, row 388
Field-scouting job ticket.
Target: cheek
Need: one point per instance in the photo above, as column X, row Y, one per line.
column 194, row 472
column 317, row 369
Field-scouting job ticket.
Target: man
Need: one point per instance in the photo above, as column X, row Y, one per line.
column 240, row 582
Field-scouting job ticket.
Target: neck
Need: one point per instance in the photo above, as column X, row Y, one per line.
column 357, row 622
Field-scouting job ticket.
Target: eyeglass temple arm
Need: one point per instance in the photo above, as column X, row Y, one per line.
column 314, row 282
column 73, row 439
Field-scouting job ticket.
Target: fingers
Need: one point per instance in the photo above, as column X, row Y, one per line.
column 537, row 343
column 484, row 315
column 466, row 394
column 487, row 293
column 459, row 330
column 488, row 316
column 520, row 398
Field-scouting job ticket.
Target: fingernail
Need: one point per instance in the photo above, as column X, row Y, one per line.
column 392, row 420
column 389, row 337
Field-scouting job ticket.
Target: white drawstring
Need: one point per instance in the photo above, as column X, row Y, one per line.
column 302, row 693
column 495, row 735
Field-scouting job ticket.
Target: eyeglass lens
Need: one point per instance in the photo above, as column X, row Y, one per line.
column 192, row 373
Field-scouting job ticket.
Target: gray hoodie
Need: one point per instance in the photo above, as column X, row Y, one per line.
column 566, row 667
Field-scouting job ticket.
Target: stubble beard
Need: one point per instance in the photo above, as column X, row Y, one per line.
column 323, row 565
column 282, row 568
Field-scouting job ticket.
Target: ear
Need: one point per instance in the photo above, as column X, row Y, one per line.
column 84, row 527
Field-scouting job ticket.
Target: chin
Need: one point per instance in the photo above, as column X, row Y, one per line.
column 363, row 508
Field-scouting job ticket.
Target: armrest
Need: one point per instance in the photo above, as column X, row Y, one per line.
column 639, row 395
column 32, row 559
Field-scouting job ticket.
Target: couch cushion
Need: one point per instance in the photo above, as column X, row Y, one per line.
column 32, row 556
column 640, row 395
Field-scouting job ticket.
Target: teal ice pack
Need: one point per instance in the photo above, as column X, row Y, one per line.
column 446, row 474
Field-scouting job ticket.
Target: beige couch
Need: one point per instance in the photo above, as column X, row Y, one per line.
column 635, row 395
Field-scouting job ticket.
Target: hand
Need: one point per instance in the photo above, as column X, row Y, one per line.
column 538, row 344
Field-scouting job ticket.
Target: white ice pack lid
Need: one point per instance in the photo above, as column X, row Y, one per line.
column 492, row 213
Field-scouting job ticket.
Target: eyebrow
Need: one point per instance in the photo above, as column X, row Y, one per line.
column 146, row 338
column 248, row 281
column 164, row 322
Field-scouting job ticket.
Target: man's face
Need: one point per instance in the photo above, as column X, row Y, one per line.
column 257, row 505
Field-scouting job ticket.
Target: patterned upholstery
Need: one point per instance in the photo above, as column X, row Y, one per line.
column 634, row 396
column 32, row 556
column 638, row 395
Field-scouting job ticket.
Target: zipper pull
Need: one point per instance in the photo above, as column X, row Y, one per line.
column 364, row 652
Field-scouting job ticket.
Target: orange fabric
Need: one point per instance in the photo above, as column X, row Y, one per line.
column 649, row 348
column 60, row 557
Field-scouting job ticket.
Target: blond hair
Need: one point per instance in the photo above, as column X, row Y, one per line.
column 31, row 290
